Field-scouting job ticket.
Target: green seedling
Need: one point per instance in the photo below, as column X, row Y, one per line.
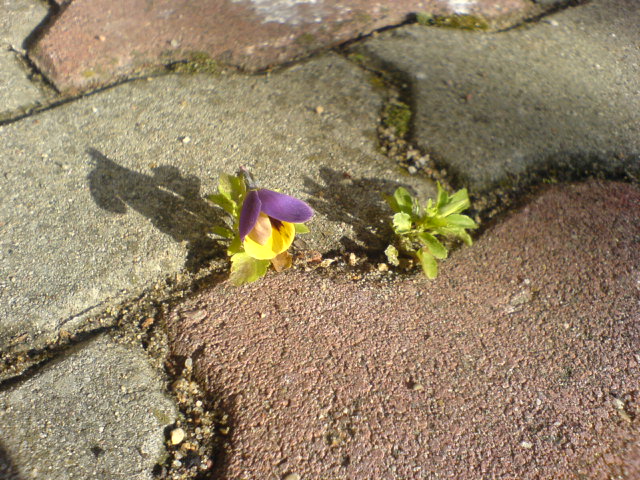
column 418, row 227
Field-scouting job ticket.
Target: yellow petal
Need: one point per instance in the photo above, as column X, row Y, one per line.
column 282, row 235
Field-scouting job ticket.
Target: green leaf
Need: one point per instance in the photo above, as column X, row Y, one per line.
column 391, row 202
column 458, row 202
column 224, row 202
column 466, row 238
column 235, row 246
column 428, row 263
column 238, row 188
column 301, row 228
column 453, row 231
column 433, row 244
column 232, row 187
column 443, row 198
column 461, row 221
column 432, row 223
column 246, row 269
column 403, row 200
column 222, row 231
column 392, row 255
column 225, row 185
column 401, row 222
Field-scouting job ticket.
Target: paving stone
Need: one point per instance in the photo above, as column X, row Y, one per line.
column 102, row 196
column 18, row 18
column 563, row 93
column 520, row 361
column 94, row 42
column 99, row 411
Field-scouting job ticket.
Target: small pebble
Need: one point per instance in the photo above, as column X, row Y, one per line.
column 185, row 140
column 291, row 476
column 319, row 110
column 527, row 445
column 625, row 416
column 412, row 170
column 383, row 267
column 177, row 436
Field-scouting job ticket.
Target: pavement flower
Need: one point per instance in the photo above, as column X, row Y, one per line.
column 267, row 221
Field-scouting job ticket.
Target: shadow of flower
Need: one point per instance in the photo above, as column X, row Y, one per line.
column 172, row 202
column 8, row 470
column 357, row 202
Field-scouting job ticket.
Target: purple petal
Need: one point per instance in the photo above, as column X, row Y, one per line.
column 283, row 207
column 249, row 213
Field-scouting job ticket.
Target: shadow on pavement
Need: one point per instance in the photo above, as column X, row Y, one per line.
column 358, row 202
column 172, row 202
column 8, row 471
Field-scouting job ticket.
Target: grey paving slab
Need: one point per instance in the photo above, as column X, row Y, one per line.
column 493, row 106
column 18, row 18
column 104, row 195
column 96, row 413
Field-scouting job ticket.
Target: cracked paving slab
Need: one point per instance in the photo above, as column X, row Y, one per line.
column 563, row 93
column 97, row 411
column 104, row 196
column 18, row 18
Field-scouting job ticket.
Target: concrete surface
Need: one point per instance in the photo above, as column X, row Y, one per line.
column 104, row 195
column 493, row 108
column 73, row 418
column 96, row 42
column 18, row 18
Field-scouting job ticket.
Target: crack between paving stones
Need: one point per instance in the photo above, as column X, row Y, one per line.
column 13, row 117
column 70, row 318
column 558, row 7
column 487, row 207
column 39, row 359
column 43, row 82
column 141, row 321
column 127, row 311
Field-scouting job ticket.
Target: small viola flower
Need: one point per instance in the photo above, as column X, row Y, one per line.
column 267, row 221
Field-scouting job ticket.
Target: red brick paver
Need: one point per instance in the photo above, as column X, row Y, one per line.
column 95, row 42
column 522, row 360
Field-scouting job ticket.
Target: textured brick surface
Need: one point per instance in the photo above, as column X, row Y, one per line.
column 97, row 41
column 520, row 361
